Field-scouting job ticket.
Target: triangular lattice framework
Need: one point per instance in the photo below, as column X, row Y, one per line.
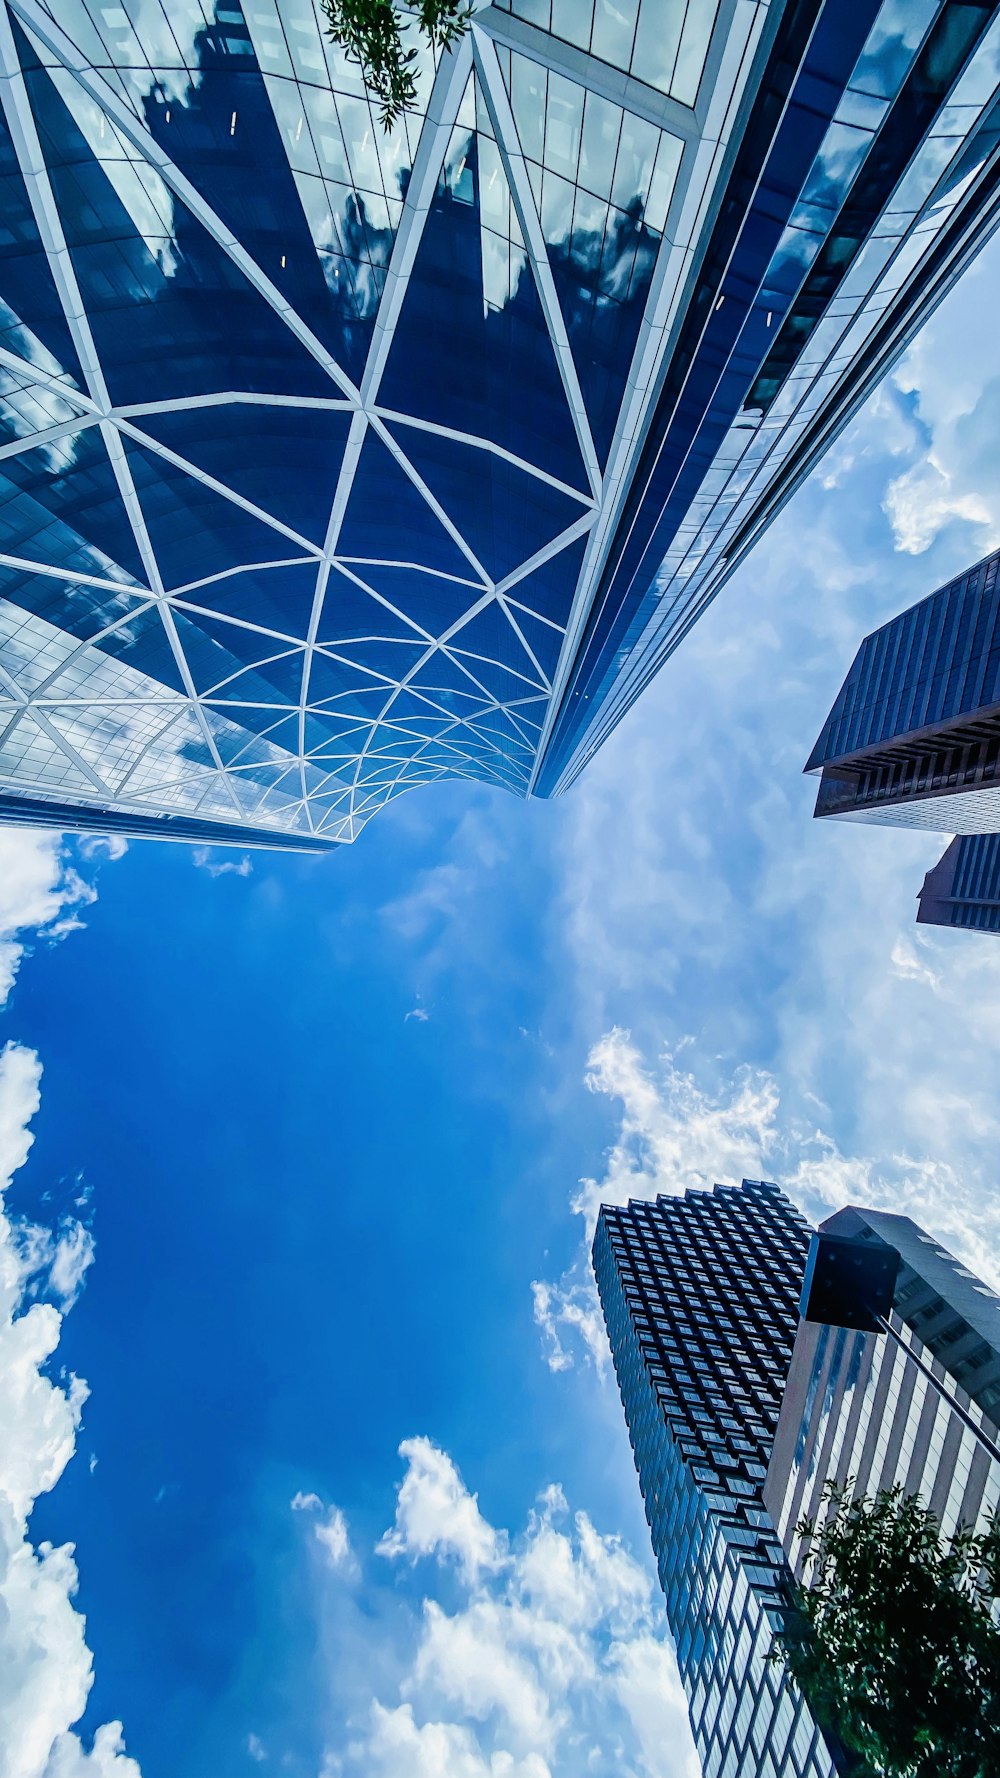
column 299, row 485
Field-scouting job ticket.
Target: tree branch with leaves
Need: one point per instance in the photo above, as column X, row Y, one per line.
column 893, row 1640
column 371, row 34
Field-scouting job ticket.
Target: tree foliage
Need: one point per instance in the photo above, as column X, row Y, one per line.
column 893, row 1641
column 371, row 32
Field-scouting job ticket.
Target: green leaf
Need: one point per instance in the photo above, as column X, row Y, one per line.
column 892, row 1638
column 370, row 34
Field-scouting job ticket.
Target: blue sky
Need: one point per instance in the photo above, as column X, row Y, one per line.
column 351, row 1491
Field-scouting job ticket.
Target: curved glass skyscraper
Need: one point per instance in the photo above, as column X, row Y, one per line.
column 336, row 462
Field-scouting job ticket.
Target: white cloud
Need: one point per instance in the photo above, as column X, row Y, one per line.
column 102, row 845
column 434, row 899
column 551, row 1662
column 479, row 1662
column 56, row 1261
column 672, row 1135
column 332, row 1534
column 437, row 1516
column 256, row 1749
column 443, row 898
column 205, row 858
column 669, row 1125
column 908, row 963
column 574, row 1308
column 106, row 1759
column 926, row 498
column 399, row 1745
column 648, row 1686
column 40, row 892
column 45, row 1665
column 951, row 377
column 419, row 1013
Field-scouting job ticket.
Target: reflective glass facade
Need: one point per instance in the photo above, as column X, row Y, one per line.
column 913, row 738
column 865, row 175
column 699, row 1295
column 335, row 462
column 858, row 1409
column 963, row 889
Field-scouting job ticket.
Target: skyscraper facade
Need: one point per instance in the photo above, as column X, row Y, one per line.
column 963, row 889
column 920, row 1410
column 700, row 1297
column 336, row 462
column 913, row 738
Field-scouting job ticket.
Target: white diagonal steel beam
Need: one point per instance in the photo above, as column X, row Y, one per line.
column 51, row 435
column 523, row 199
column 73, row 575
column 144, row 142
column 135, row 410
column 485, row 444
column 588, row 71
column 193, row 586
column 554, row 547
column 429, row 499
column 65, row 746
column 342, row 493
column 32, row 373
column 450, row 81
column 740, row 40
column 215, row 486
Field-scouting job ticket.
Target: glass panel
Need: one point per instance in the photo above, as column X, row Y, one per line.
column 284, row 459
column 471, row 349
column 614, row 31
column 505, row 515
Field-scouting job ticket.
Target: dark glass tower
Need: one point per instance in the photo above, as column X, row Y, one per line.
column 963, row 889
column 700, row 1299
column 334, row 462
column 913, row 738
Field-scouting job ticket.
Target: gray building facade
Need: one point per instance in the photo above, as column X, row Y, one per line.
column 860, row 1410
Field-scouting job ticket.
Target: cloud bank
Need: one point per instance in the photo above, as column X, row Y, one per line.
column 41, row 893
column 676, row 1134
column 46, row 1669
column 329, row 1529
column 549, row 1659
column 950, row 386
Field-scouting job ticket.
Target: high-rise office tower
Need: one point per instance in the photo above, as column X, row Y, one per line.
column 739, row 1413
column 337, row 462
column 918, row 1406
column 963, row 889
column 914, row 735
column 913, row 740
column 700, row 1298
